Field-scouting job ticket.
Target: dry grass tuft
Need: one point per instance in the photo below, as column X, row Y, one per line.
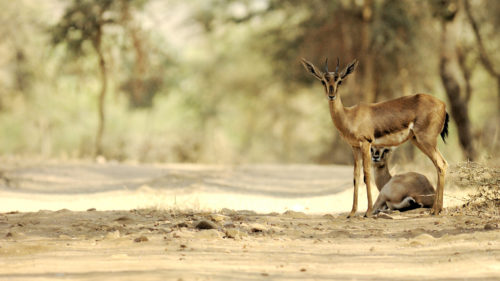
column 485, row 180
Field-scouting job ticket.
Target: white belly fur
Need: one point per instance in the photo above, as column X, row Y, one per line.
column 395, row 138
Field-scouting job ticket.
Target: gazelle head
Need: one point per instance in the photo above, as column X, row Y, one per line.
column 330, row 80
column 380, row 154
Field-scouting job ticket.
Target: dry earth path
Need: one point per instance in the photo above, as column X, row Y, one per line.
column 82, row 221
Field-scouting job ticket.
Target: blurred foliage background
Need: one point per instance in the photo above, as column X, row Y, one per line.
column 220, row 81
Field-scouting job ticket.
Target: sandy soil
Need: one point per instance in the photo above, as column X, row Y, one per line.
column 177, row 222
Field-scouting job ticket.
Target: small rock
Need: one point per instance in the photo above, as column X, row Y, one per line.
column 303, row 270
column 205, row 225
column 415, row 244
column 141, row 239
column 123, row 219
column 218, row 217
column 234, row 234
column 91, row 210
column 181, row 224
column 294, row 214
column 489, row 226
column 257, row 227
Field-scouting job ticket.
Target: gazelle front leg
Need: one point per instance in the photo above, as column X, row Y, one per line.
column 357, row 172
column 365, row 151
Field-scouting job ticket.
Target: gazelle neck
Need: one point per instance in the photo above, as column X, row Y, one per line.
column 337, row 112
column 382, row 174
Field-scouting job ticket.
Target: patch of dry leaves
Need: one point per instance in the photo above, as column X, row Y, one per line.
column 486, row 181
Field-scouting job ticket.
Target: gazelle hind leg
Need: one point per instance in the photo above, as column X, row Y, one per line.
column 407, row 202
column 379, row 204
column 430, row 149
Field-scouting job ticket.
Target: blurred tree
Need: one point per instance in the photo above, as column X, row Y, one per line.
column 236, row 90
column 84, row 21
column 484, row 57
column 145, row 79
column 446, row 11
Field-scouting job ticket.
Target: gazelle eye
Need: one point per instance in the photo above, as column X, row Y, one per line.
column 340, row 82
column 323, row 82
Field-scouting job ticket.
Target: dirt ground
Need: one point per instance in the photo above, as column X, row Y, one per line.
column 55, row 225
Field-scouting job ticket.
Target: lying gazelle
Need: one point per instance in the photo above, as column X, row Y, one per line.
column 420, row 118
column 403, row 191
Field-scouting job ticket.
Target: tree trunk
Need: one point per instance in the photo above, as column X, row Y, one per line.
column 498, row 95
column 485, row 59
column 101, row 98
column 368, row 83
column 459, row 106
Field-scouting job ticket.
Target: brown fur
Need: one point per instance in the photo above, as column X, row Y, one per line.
column 420, row 118
column 394, row 191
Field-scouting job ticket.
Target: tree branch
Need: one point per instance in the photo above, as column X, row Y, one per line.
column 483, row 55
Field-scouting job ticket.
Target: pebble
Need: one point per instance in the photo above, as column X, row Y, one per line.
column 257, row 227
column 294, row 214
column 141, row 239
column 489, row 226
column 218, row 217
column 181, row 224
column 235, row 234
column 205, row 225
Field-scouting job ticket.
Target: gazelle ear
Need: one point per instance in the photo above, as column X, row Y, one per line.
column 349, row 69
column 312, row 69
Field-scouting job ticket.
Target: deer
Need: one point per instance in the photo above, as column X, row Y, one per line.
column 420, row 118
column 400, row 192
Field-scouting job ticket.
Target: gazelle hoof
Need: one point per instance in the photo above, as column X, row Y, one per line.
column 435, row 212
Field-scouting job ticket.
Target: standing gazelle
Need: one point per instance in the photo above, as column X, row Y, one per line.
column 420, row 118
